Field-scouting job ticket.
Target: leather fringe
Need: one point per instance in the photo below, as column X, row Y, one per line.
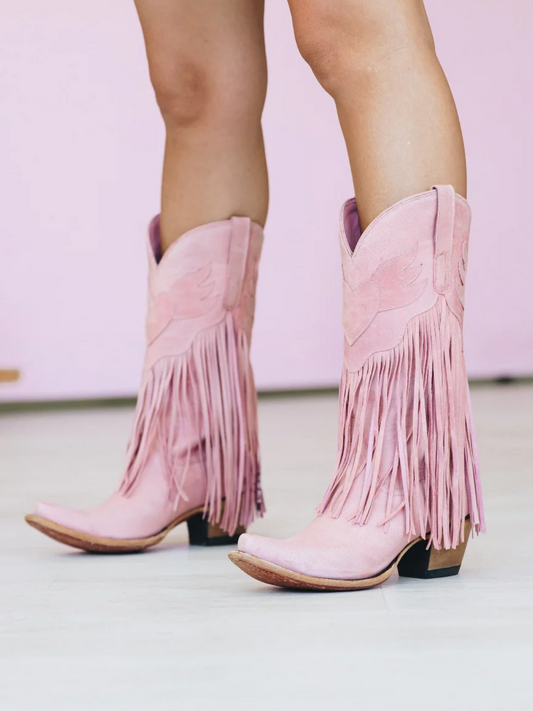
column 416, row 393
column 204, row 401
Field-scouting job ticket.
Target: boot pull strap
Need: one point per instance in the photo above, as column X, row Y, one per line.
column 442, row 271
column 237, row 258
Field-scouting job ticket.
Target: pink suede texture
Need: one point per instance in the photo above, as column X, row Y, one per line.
column 194, row 441
column 394, row 261
column 407, row 460
column 197, row 282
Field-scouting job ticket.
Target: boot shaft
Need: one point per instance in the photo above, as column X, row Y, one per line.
column 412, row 253
column 205, row 275
column 405, row 423
column 197, row 401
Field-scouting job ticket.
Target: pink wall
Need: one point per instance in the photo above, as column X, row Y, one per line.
column 81, row 144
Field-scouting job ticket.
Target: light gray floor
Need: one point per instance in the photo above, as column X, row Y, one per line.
column 181, row 628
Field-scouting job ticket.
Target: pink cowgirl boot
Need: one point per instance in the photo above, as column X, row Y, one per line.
column 193, row 453
column 406, row 493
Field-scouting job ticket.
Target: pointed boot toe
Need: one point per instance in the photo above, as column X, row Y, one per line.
column 60, row 522
column 262, row 558
column 63, row 516
column 271, row 560
column 261, row 547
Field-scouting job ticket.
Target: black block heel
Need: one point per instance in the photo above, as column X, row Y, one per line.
column 427, row 563
column 203, row 533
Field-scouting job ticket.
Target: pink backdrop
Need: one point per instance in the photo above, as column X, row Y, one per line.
column 81, row 145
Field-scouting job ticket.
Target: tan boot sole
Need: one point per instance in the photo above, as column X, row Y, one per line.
column 200, row 533
column 284, row 578
column 420, row 563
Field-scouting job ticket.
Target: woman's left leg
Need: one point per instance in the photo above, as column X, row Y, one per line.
column 377, row 59
column 407, row 465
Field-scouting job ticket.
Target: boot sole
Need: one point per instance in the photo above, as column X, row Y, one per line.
column 201, row 532
column 420, row 562
column 272, row 574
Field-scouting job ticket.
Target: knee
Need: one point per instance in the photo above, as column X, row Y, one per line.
column 341, row 40
column 191, row 92
column 181, row 89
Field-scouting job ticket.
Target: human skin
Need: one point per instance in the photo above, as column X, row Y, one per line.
column 208, row 69
column 377, row 60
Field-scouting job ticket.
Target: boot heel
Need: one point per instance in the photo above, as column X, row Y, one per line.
column 203, row 533
column 420, row 562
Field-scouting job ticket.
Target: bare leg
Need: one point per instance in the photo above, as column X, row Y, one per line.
column 187, row 460
column 208, row 68
column 377, row 59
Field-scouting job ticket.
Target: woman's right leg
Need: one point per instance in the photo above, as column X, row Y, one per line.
column 193, row 452
column 208, row 68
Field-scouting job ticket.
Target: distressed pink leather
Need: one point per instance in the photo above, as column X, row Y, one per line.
column 407, row 461
column 194, row 441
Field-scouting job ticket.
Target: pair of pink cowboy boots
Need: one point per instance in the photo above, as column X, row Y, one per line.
column 406, row 493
